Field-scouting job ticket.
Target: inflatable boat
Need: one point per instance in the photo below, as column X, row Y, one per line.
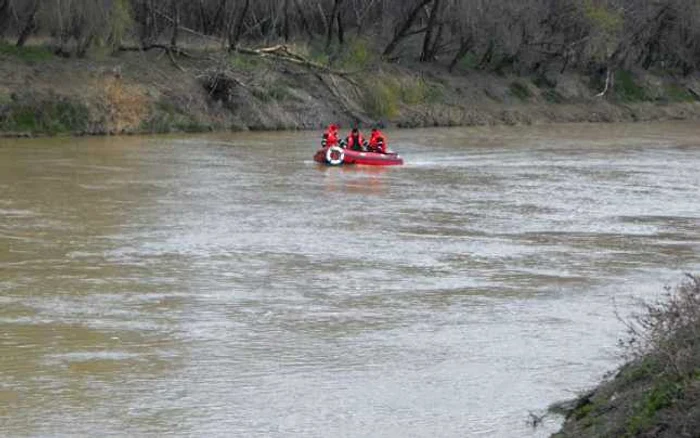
column 336, row 156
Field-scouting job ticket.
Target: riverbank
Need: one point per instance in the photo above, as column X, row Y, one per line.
column 657, row 392
column 137, row 92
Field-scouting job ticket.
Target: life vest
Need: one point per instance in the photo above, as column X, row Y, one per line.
column 330, row 138
column 356, row 142
column 377, row 142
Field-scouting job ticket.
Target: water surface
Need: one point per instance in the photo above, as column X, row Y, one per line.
column 226, row 285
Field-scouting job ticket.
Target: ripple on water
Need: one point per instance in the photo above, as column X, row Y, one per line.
column 185, row 286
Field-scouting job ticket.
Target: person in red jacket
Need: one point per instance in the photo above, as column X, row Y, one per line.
column 377, row 141
column 330, row 136
column 356, row 141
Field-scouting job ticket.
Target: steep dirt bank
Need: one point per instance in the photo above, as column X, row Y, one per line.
column 151, row 92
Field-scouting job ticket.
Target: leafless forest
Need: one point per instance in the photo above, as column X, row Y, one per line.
column 519, row 36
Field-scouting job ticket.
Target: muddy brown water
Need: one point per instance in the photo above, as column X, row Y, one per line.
column 226, row 285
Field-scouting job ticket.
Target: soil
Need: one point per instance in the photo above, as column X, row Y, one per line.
column 152, row 92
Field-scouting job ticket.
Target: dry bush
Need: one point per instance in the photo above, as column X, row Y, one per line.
column 669, row 329
column 126, row 105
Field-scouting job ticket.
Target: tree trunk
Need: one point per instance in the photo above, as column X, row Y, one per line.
column 4, row 17
column 465, row 45
column 426, row 54
column 304, row 22
column 204, row 21
column 332, row 19
column 403, row 28
column 436, row 47
column 237, row 29
column 82, row 47
column 285, row 29
column 341, row 29
column 488, row 55
column 29, row 25
column 176, row 23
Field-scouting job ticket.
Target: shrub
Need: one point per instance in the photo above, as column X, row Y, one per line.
column 381, row 97
column 626, row 89
column 664, row 343
column 26, row 53
column 418, row 90
column 54, row 115
column 670, row 325
column 470, row 61
column 677, row 93
column 520, row 90
column 357, row 55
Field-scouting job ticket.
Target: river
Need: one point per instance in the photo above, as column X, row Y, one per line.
column 225, row 285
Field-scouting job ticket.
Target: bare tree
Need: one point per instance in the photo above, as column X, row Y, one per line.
column 334, row 17
column 29, row 23
column 236, row 30
column 403, row 27
column 427, row 54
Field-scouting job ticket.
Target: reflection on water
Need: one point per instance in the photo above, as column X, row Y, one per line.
column 228, row 285
column 362, row 180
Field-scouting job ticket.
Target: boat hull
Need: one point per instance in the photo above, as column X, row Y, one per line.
column 334, row 157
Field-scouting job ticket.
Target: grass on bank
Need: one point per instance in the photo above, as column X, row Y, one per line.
column 657, row 393
column 384, row 94
column 51, row 116
column 26, row 53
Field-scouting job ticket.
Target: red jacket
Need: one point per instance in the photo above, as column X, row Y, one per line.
column 377, row 142
column 330, row 137
column 356, row 142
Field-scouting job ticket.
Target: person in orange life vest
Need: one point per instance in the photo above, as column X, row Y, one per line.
column 356, row 141
column 377, row 141
column 330, row 136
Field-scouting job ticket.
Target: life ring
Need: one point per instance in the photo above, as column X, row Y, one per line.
column 340, row 156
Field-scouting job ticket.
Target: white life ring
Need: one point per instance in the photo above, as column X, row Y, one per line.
column 340, row 156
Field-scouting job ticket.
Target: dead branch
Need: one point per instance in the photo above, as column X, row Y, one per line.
column 173, row 22
column 169, row 50
column 282, row 53
column 608, row 84
column 165, row 47
column 342, row 100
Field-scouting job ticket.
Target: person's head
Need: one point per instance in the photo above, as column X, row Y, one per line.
column 355, row 131
column 333, row 127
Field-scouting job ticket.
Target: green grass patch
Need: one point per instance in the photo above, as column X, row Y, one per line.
column 543, row 82
column 646, row 369
column 245, row 63
column 5, row 99
column 626, row 88
column 356, row 55
column 418, row 90
column 583, row 411
column 50, row 116
column 664, row 394
column 677, row 93
column 520, row 90
column 385, row 93
column 382, row 97
column 552, row 96
column 468, row 62
column 26, row 53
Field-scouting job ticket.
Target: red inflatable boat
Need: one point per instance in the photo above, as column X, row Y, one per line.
column 336, row 156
